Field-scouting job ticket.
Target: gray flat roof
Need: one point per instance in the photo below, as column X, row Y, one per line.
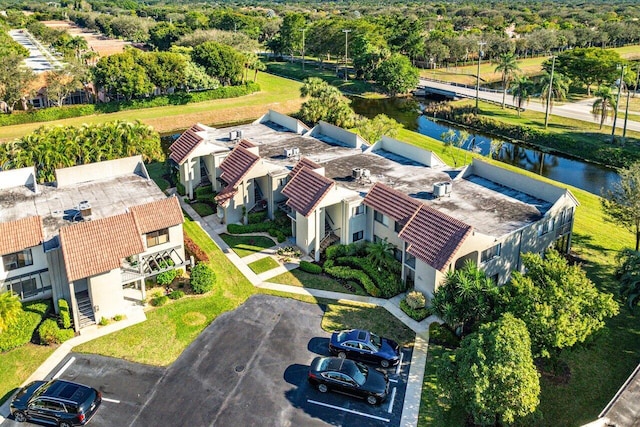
column 490, row 208
column 57, row 206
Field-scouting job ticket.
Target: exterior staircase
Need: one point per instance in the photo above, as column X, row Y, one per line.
column 85, row 310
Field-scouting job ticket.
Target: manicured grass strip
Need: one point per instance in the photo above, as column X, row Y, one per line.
column 203, row 209
column 264, row 264
column 171, row 328
column 247, row 245
column 365, row 316
column 314, row 281
column 18, row 364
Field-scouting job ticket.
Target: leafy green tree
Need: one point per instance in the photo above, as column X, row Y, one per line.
column 221, row 62
column 604, row 105
column 492, row 375
column 196, row 77
column 396, row 74
column 61, row 83
column 522, row 89
column 326, row 103
column 589, row 66
column 122, row 74
column 465, row 298
column 290, row 36
column 164, row 34
column 628, row 273
column 165, row 69
column 15, row 80
column 557, row 301
column 10, row 309
column 507, row 65
column 621, row 204
column 373, row 129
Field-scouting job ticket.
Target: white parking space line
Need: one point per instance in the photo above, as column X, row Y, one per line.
column 64, row 368
column 351, row 411
column 106, row 399
column 399, row 363
column 393, row 398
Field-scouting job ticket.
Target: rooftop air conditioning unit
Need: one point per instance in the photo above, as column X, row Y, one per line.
column 356, row 173
column 366, row 173
column 296, row 151
column 288, row 152
column 233, row 135
column 447, row 187
column 85, row 210
column 239, row 133
column 439, row 189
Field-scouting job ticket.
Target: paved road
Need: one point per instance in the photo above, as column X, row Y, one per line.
column 577, row 110
column 39, row 60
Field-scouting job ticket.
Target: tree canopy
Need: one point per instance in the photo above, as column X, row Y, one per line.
column 621, row 204
column 221, row 61
column 396, row 74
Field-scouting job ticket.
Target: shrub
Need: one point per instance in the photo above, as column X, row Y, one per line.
column 335, row 251
column 103, row 321
column 166, row 277
column 176, row 295
column 159, row 301
column 328, row 264
column 279, row 235
column 257, row 217
column 119, row 317
column 386, row 281
column 310, row 267
column 417, row 314
column 194, row 250
column 22, row 330
column 346, row 273
column 202, row 278
column 50, row 333
column 274, row 228
column 205, row 194
column 179, row 272
column 180, row 189
column 416, row 300
column 440, row 334
column 65, row 316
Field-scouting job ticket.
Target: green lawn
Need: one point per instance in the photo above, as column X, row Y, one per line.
column 247, row 245
column 264, row 264
column 314, row 281
column 17, row 365
column 203, row 209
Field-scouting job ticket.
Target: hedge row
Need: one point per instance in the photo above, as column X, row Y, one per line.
column 310, row 267
column 180, row 98
column 193, row 249
column 22, row 330
column 50, row 333
column 346, row 273
column 264, row 227
column 352, row 249
column 417, row 314
column 389, row 284
column 65, row 315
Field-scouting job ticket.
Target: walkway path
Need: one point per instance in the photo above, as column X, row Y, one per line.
column 580, row 110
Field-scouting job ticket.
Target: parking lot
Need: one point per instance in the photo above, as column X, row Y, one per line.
column 248, row 368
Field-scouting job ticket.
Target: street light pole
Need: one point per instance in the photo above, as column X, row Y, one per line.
column 303, row 30
column 615, row 112
column 549, row 92
column 480, row 44
column 346, row 55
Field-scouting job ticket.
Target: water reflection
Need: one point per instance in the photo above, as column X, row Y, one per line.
column 588, row 176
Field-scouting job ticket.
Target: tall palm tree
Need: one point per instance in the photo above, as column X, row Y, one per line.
column 522, row 88
column 508, row 66
column 10, row 309
column 554, row 88
column 604, row 105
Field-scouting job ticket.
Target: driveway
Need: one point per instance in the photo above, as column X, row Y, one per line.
column 248, row 368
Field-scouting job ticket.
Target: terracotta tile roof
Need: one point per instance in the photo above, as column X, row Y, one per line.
column 245, row 144
column 157, row 215
column 185, row 144
column 434, row 237
column 395, row 204
column 234, row 168
column 95, row 247
column 304, row 163
column 306, row 189
column 21, row 234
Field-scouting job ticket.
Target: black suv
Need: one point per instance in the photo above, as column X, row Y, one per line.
column 57, row 402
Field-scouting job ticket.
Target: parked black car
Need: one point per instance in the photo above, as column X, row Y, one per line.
column 57, row 402
column 365, row 346
column 349, row 377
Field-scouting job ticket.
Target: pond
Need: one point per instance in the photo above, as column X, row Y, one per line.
column 584, row 175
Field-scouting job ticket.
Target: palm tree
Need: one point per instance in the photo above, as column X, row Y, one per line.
column 508, row 66
column 10, row 309
column 521, row 89
column 604, row 105
column 553, row 88
column 381, row 254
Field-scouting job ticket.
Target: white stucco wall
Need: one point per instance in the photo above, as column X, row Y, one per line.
column 107, row 296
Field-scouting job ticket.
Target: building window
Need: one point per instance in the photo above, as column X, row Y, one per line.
column 282, row 182
column 17, row 260
column 358, row 210
column 410, row 261
column 25, row 288
column 377, row 239
column 381, row 218
column 157, row 237
column 491, row 253
column 358, row 236
column 398, row 227
column 397, row 254
column 545, row 227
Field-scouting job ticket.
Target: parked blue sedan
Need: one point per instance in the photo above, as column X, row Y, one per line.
column 365, row 346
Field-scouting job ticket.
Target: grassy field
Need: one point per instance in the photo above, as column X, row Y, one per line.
column 247, row 245
column 17, row 365
column 314, row 281
column 263, row 264
column 277, row 93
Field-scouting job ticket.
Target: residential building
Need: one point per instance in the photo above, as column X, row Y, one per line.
column 336, row 187
column 92, row 237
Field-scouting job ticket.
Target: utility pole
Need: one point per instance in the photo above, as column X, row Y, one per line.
column 302, row 30
column 346, row 55
column 615, row 112
column 480, row 53
column 549, row 92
